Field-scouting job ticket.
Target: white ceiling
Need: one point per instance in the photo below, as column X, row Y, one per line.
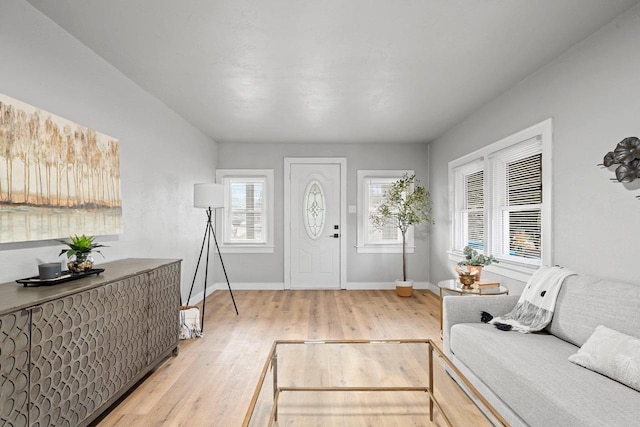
column 328, row 70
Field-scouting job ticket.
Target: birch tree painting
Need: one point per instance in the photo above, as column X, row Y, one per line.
column 56, row 177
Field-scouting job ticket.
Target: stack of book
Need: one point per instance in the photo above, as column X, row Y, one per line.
column 483, row 284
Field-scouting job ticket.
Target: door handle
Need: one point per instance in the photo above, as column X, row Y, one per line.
column 335, row 236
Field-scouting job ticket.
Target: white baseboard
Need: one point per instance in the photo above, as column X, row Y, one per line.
column 222, row 286
column 279, row 286
column 196, row 298
column 250, row 286
column 434, row 288
column 388, row 285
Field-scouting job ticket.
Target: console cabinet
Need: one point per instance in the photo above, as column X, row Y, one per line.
column 69, row 351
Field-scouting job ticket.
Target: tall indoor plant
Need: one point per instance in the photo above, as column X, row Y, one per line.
column 405, row 203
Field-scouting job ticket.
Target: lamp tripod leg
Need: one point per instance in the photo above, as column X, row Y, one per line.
column 215, row 240
column 206, row 276
column 204, row 239
column 209, row 231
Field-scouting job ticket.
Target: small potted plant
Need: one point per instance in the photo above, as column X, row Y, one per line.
column 79, row 252
column 475, row 260
column 404, row 204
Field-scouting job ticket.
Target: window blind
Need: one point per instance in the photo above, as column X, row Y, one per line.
column 473, row 212
column 389, row 232
column 517, row 194
column 372, row 185
column 247, row 220
column 246, row 210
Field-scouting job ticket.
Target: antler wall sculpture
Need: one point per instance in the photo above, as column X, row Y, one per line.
column 627, row 156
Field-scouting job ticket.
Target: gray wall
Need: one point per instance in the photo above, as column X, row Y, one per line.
column 161, row 155
column 592, row 93
column 362, row 268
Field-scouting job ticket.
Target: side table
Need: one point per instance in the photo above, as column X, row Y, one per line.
column 453, row 286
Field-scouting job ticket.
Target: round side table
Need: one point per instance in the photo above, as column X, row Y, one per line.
column 455, row 287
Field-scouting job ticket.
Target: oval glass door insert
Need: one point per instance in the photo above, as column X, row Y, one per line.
column 314, row 209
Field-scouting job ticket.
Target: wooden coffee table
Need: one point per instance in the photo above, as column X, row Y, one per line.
column 353, row 382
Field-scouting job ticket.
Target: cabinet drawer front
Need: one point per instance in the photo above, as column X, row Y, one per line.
column 14, row 368
column 67, row 373
column 164, row 309
column 85, row 348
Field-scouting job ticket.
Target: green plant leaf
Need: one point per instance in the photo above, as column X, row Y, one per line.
column 473, row 257
column 80, row 244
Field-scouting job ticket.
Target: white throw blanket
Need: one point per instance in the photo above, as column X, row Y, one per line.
column 190, row 323
column 537, row 303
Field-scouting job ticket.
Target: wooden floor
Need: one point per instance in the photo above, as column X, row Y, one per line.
column 212, row 380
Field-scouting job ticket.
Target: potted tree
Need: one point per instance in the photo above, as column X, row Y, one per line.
column 404, row 204
column 474, row 260
column 79, row 252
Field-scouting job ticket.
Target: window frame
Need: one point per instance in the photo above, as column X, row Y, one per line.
column 363, row 244
column 223, row 224
column 487, row 159
column 471, row 167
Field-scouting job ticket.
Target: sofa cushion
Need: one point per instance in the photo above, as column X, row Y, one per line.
column 531, row 373
column 612, row 354
column 585, row 302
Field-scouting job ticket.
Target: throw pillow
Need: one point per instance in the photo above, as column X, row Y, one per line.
column 613, row 354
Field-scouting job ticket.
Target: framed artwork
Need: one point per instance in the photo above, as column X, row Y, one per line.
column 57, row 178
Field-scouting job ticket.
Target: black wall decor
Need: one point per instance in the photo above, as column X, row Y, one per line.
column 627, row 156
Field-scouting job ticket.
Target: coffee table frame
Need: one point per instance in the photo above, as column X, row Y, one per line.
column 272, row 361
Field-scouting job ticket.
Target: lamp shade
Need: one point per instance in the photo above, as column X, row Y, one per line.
column 208, row 195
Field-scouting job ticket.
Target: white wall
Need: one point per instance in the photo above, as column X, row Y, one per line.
column 366, row 270
column 592, row 94
column 161, row 155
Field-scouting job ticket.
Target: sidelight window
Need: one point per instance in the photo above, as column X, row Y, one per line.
column 247, row 219
column 372, row 185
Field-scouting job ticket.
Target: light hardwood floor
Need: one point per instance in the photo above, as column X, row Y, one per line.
column 212, row 380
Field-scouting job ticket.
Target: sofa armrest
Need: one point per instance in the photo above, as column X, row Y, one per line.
column 467, row 309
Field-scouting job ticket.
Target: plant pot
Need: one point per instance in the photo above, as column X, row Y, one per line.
column 478, row 269
column 466, row 280
column 80, row 263
column 404, row 289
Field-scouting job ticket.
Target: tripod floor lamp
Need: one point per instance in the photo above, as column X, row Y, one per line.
column 210, row 197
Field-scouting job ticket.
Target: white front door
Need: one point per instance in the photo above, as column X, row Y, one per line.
column 315, row 225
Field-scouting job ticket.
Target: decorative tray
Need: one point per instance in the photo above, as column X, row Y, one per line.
column 65, row 276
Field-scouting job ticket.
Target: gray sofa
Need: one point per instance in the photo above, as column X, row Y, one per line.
column 527, row 377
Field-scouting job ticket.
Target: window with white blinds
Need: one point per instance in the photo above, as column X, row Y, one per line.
column 247, row 219
column 500, row 198
column 389, row 232
column 469, row 205
column 473, row 212
column 246, row 210
column 517, row 201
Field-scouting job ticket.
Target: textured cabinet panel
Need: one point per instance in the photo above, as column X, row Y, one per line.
column 125, row 332
column 14, row 368
column 68, row 372
column 164, row 307
column 86, row 348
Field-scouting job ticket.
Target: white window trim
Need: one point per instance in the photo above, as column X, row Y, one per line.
column 508, row 268
column 363, row 220
column 458, row 199
column 263, row 247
